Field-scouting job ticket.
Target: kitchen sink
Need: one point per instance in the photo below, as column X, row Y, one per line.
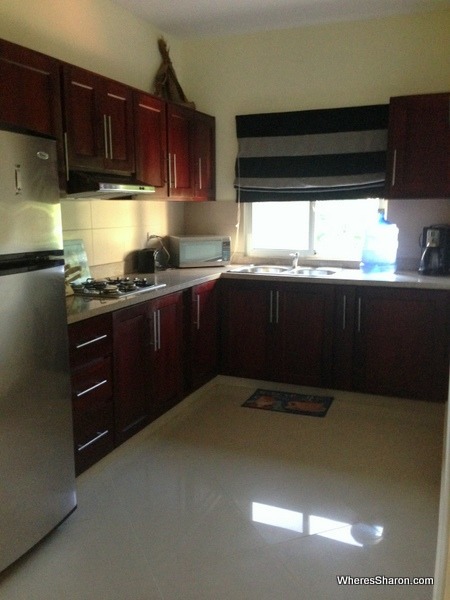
column 312, row 271
column 285, row 270
column 263, row 269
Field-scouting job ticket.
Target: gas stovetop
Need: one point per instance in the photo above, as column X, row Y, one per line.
column 114, row 287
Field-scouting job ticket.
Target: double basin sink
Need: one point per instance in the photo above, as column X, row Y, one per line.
column 283, row 270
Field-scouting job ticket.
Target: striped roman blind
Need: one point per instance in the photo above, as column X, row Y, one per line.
column 312, row 155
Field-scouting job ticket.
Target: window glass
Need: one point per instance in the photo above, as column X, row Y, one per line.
column 331, row 230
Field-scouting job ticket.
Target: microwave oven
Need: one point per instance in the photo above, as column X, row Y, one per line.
column 199, row 251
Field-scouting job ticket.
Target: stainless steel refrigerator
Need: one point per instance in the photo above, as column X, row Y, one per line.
column 37, row 481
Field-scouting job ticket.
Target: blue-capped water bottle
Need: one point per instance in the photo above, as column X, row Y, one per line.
column 379, row 253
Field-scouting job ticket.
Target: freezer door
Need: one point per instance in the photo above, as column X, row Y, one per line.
column 37, row 481
column 30, row 212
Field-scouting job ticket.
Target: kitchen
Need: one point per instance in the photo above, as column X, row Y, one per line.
column 110, row 229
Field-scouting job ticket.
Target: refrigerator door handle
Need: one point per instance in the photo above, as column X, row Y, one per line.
column 18, row 180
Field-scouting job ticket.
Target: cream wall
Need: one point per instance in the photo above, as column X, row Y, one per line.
column 334, row 65
column 331, row 65
column 100, row 36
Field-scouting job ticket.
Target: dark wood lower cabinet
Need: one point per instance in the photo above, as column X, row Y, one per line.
column 201, row 335
column 277, row 331
column 90, row 343
column 147, row 362
column 166, row 353
column 134, row 364
column 373, row 339
column 131, row 370
column 392, row 342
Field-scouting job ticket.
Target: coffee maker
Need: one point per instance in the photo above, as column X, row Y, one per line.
column 435, row 243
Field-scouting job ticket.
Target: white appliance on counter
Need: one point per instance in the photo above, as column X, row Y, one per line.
column 37, row 474
column 200, row 250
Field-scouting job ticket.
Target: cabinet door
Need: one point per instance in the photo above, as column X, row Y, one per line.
column 30, row 90
column 150, row 141
column 99, row 122
column 302, row 350
column 180, row 137
column 419, row 147
column 402, row 343
column 245, row 328
column 166, row 318
column 85, row 129
column 117, row 114
column 203, row 350
column 343, row 337
column 204, row 157
column 131, row 370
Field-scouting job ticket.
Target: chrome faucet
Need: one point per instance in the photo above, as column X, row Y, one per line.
column 294, row 259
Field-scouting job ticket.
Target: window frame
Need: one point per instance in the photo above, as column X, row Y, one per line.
column 308, row 254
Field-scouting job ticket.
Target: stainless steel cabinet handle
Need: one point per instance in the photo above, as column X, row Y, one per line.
column 111, row 154
column 274, row 306
column 170, row 171
column 18, row 180
column 159, row 330
column 271, row 307
column 198, row 311
column 99, row 435
column 277, row 306
column 97, row 339
column 175, row 171
column 93, row 387
column 344, row 312
column 155, row 330
column 200, row 173
column 394, row 168
column 105, row 135
column 359, row 315
column 66, row 155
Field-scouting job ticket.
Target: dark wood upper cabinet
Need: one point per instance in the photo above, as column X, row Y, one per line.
column 30, row 90
column 419, row 147
column 150, row 141
column 180, row 127
column 204, row 157
column 98, row 114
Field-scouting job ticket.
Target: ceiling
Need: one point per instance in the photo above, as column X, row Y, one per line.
column 188, row 18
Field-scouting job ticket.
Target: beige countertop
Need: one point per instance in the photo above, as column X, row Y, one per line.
column 407, row 279
column 79, row 308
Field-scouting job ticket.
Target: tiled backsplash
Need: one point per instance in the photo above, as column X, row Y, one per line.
column 112, row 230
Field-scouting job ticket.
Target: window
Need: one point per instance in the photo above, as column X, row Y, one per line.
column 331, row 230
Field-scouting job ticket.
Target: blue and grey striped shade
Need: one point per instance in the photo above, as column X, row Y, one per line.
column 311, row 155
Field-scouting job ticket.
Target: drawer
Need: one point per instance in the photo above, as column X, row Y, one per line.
column 93, row 433
column 92, row 381
column 91, row 338
column 92, row 412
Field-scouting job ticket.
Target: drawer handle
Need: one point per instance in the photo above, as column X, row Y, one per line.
column 99, row 435
column 97, row 339
column 93, row 387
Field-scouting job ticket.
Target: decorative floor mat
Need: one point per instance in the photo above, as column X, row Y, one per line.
column 297, row 404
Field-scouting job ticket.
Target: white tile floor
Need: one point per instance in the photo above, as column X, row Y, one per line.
column 220, row 502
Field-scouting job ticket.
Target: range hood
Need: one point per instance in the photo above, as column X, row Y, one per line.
column 83, row 184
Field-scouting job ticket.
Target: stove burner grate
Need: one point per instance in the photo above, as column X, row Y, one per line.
column 114, row 287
